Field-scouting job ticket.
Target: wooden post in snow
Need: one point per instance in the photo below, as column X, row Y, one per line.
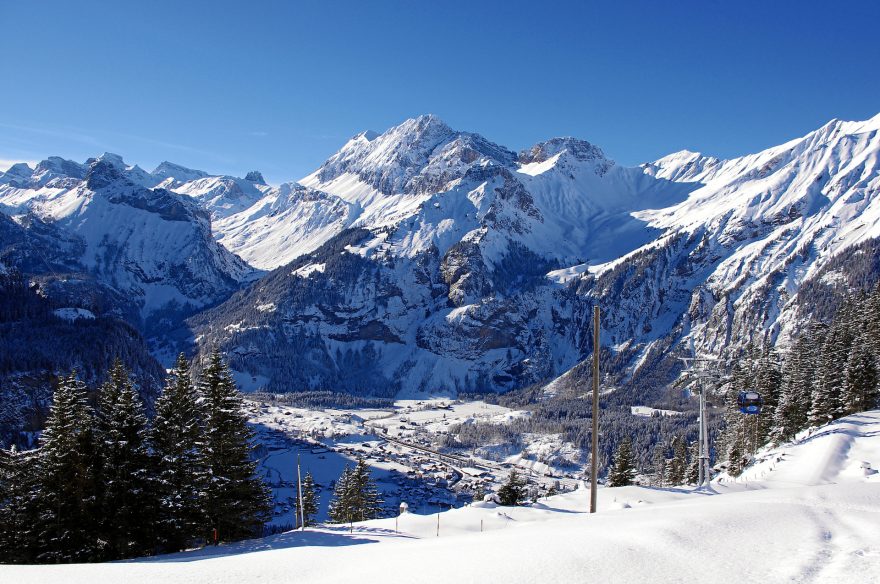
column 594, row 454
column 299, row 488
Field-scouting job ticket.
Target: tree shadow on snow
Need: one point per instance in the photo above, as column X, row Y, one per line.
column 326, row 537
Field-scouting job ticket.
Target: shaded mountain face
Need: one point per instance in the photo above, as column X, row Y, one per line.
column 147, row 252
column 429, row 260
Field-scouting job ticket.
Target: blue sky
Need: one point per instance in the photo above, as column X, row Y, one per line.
column 279, row 86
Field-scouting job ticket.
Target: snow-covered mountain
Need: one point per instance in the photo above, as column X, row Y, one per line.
column 426, row 259
column 735, row 254
column 451, row 263
column 111, row 221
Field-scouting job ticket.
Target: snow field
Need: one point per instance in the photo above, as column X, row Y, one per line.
column 801, row 514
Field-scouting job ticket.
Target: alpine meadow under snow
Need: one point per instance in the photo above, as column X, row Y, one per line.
column 412, row 321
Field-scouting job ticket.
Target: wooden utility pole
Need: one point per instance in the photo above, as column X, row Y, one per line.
column 594, row 454
column 299, row 490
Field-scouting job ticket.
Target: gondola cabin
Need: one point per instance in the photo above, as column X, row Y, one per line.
column 750, row 402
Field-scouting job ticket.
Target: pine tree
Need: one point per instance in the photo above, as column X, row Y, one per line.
column 623, row 470
column 861, row 389
column 658, row 477
column 871, row 319
column 67, row 529
column 792, row 412
column 677, row 467
column 768, row 384
column 364, row 500
column 735, row 441
column 340, row 510
column 180, row 475
column 127, row 493
column 831, row 373
column 513, row 492
column 236, row 502
column 309, row 500
column 825, row 394
column 692, row 475
column 18, row 511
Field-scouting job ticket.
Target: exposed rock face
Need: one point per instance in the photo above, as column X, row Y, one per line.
column 256, row 177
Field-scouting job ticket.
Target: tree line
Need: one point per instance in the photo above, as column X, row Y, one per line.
column 829, row 371
column 107, row 484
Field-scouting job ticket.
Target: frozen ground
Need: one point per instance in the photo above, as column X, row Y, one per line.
column 807, row 512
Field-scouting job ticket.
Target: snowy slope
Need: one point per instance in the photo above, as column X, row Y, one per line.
column 149, row 244
column 287, row 222
column 221, row 195
column 811, row 519
column 733, row 255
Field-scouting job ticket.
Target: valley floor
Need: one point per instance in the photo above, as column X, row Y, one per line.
column 806, row 512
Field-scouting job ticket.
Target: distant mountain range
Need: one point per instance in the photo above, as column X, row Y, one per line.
column 426, row 260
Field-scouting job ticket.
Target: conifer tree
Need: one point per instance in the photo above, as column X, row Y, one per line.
column 768, row 384
column 871, row 320
column 364, row 495
column 692, row 475
column 513, row 492
column 8, row 518
column 236, row 502
column 180, row 475
column 127, row 491
column 309, row 500
column 623, row 470
column 18, row 512
column 355, row 497
column 67, row 526
column 826, row 403
column 658, row 477
column 677, row 466
column 340, row 504
column 861, row 389
column 735, row 441
column 791, row 414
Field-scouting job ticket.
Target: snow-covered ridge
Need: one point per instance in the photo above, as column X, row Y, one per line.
column 733, row 257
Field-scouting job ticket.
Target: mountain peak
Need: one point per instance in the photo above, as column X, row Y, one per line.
column 171, row 170
column 256, row 177
column 19, row 169
column 683, row 166
column 423, row 121
column 110, row 158
column 423, row 131
column 579, row 149
column 416, row 156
